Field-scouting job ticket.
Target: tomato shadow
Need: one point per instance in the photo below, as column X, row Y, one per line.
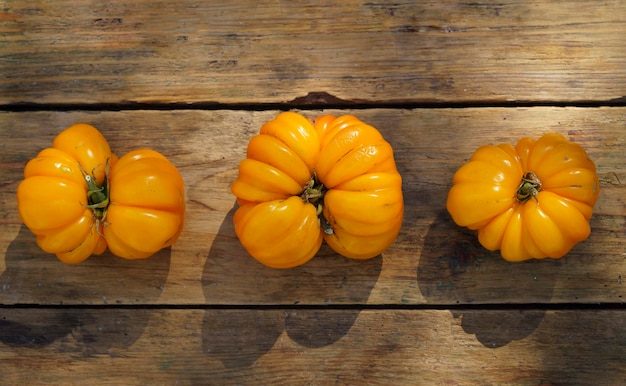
column 277, row 300
column 33, row 277
column 454, row 268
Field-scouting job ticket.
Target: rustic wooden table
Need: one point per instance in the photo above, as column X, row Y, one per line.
column 195, row 80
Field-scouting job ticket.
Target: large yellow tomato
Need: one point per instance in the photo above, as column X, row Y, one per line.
column 77, row 197
column 533, row 200
column 302, row 183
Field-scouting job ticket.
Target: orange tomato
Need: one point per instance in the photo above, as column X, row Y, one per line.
column 77, row 197
column 533, row 200
column 302, row 183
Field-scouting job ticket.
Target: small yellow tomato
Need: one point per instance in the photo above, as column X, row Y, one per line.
column 77, row 197
column 302, row 183
column 533, row 200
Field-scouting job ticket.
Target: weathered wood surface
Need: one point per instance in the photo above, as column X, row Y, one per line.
column 187, row 51
column 433, row 261
column 309, row 347
column 195, row 80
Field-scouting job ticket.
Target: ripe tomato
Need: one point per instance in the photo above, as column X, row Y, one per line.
column 533, row 200
column 147, row 205
column 302, row 183
column 77, row 197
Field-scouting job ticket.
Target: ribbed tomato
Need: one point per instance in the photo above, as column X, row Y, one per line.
column 77, row 196
column 302, row 183
column 533, row 200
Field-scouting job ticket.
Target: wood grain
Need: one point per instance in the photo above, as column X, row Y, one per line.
column 271, row 51
column 195, row 80
column 309, row 347
column 432, row 262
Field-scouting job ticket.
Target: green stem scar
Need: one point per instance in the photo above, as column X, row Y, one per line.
column 529, row 187
column 97, row 195
column 313, row 193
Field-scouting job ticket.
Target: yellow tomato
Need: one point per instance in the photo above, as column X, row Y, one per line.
column 302, row 183
column 76, row 197
column 533, row 200
column 147, row 205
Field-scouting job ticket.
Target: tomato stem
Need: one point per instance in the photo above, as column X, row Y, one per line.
column 313, row 193
column 97, row 195
column 529, row 187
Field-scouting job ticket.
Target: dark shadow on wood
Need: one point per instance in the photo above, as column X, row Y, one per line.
column 83, row 332
column 495, row 329
column 238, row 339
column 455, row 269
column 319, row 328
column 33, row 277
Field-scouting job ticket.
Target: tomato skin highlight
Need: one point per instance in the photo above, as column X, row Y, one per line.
column 71, row 190
column 147, row 209
column 531, row 201
column 302, row 183
column 279, row 233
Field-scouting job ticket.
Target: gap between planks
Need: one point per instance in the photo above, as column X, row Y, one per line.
column 316, row 307
column 312, row 101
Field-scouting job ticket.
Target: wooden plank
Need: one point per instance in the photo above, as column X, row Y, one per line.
column 272, row 51
column 312, row 347
column 208, row 266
